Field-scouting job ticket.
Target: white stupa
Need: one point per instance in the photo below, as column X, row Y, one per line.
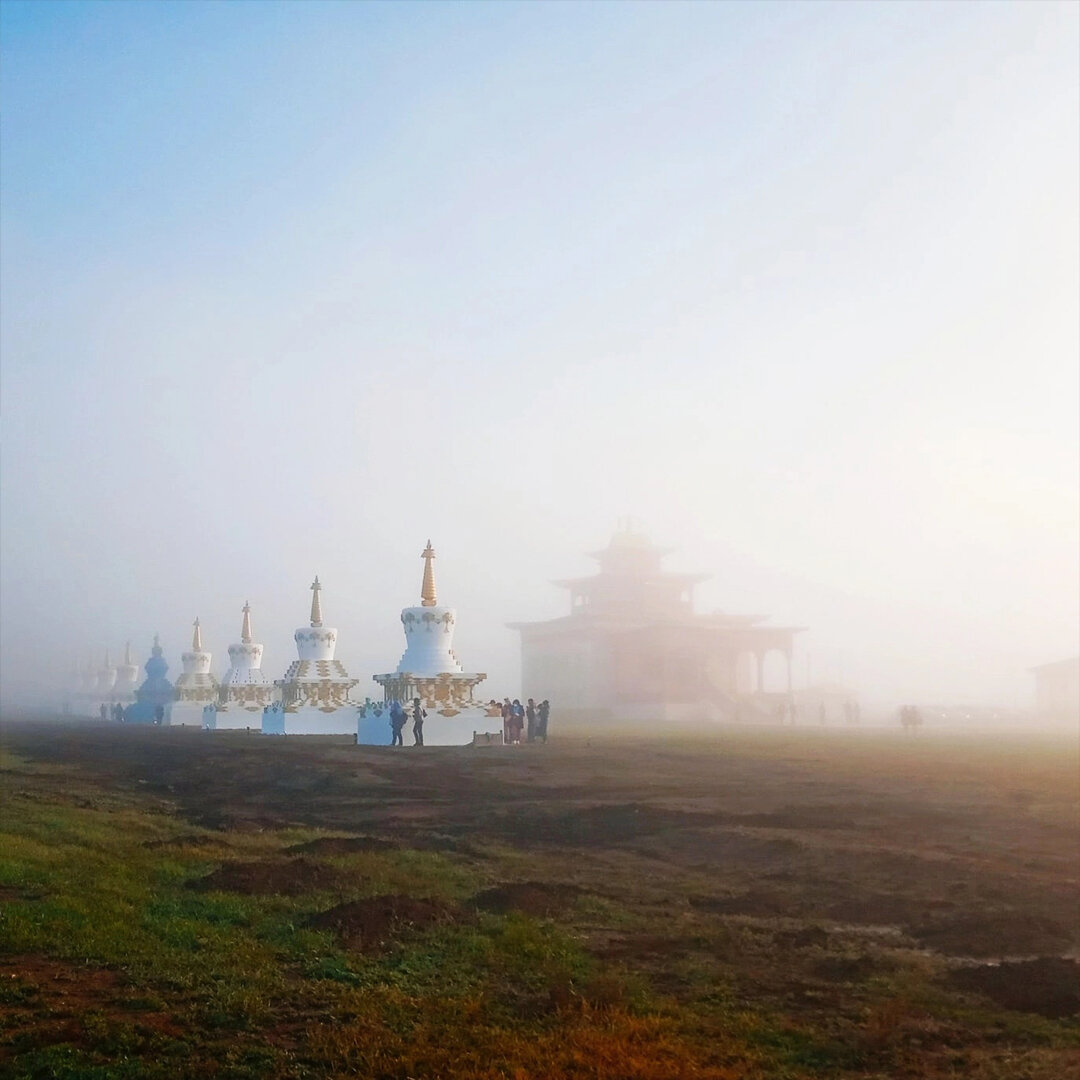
column 127, row 678
column 315, row 690
column 196, row 687
column 245, row 690
column 103, row 688
column 430, row 670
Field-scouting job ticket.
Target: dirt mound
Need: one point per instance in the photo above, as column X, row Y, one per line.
column 846, row 968
column 992, row 934
column 343, row 845
column 807, row 937
column 749, row 903
column 292, row 877
column 191, row 840
column 593, row 826
column 528, row 897
column 1048, row 986
column 369, row 924
column 802, row 817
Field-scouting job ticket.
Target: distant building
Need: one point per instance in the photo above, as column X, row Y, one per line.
column 1057, row 690
column 633, row 646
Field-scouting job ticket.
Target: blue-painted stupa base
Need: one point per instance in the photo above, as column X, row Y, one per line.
column 142, row 712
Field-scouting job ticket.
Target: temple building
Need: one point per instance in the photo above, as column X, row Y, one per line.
column 154, row 699
column 429, row 670
column 315, row 689
column 196, row 687
column 633, row 647
column 1057, row 691
column 245, row 690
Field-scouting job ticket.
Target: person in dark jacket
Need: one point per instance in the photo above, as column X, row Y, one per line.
column 543, row 711
column 418, row 715
column 530, row 721
column 397, row 723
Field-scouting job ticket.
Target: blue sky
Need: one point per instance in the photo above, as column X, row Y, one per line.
column 289, row 287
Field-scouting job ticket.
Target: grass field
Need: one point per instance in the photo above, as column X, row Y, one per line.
column 736, row 903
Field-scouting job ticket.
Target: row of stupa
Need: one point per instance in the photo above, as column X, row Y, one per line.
column 313, row 696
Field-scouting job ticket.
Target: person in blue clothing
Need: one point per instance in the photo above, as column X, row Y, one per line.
column 397, row 722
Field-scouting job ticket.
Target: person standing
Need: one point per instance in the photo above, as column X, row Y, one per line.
column 517, row 721
column 507, row 717
column 530, row 721
column 418, row 715
column 543, row 712
column 397, row 722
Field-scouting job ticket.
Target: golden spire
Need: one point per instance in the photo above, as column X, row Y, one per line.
column 127, row 652
column 427, row 589
column 196, row 637
column 245, row 629
column 316, row 606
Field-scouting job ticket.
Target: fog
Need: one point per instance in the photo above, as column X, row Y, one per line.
column 291, row 289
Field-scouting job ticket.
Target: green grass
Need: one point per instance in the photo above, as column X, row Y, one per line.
column 114, row 968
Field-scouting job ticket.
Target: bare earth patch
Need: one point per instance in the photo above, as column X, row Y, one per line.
column 1048, row 986
column 369, row 925
column 344, row 845
column 528, row 897
column 292, row 877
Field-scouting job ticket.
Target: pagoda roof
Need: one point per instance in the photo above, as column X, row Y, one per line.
column 717, row 621
column 689, row 579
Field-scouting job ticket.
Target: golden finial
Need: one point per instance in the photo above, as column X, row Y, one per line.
column 316, row 606
column 196, row 637
column 427, row 589
column 127, row 652
column 245, row 629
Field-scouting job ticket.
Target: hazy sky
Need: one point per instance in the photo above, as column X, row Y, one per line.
column 290, row 288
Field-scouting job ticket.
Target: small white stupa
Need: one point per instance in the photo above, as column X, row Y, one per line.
column 429, row 670
column 245, row 690
column 127, row 678
column 103, row 689
column 196, row 687
column 315, row 690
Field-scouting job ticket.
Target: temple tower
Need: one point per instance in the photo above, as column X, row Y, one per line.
column 196, row 687
column 315, row 689
column 245, row 690
column 154, row 699
column 127, row 678
column 429, row 670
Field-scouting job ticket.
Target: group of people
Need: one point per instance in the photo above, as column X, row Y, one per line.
column 910, row 718
column 530, row 718
column 399, row 717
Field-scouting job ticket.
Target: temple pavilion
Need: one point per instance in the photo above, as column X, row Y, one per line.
column 632, row 646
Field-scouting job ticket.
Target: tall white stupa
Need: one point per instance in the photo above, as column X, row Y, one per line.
column 196, row 687
column 430, row 670
column 103, row 688
column 127, row 678
column 245, row 690
column 315, row 689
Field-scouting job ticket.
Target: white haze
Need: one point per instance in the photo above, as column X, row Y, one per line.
column 289, row 289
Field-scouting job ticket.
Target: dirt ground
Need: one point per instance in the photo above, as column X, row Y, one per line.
column 811, row 866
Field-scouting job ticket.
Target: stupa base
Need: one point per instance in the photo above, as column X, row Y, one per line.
column 232, row 719
column 309, row 720
column 187, row 714
column 143, row 713
column 373, row 727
